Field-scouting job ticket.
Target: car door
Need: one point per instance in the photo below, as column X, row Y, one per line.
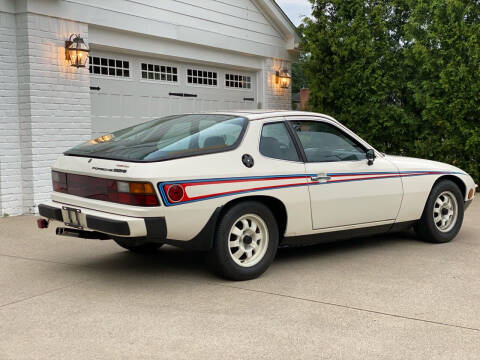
column 345, row 188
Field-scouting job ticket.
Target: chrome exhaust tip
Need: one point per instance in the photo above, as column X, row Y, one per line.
column 77, row 233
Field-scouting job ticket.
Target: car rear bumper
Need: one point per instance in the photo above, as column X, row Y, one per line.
column 149, row 229
column 115, row 225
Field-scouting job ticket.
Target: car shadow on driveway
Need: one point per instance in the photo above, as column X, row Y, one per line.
column 167, row 262
column 345, row 246
column 171, row 262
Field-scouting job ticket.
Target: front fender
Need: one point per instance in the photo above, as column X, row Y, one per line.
column 418, row 178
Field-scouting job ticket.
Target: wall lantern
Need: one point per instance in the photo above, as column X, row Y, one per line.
column 76, row 51
column 283, row 79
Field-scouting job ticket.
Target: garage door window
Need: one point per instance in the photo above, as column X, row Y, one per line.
column 109, row 67
column 159, row 72
column 238, row 81
column 202, row 77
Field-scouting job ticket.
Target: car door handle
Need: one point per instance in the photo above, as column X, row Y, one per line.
column 320, row 177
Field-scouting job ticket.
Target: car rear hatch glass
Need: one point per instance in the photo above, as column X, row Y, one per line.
column 167, row 138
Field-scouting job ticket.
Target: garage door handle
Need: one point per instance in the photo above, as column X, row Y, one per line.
column 248, row 99
column 95, row 88
column 182, row 94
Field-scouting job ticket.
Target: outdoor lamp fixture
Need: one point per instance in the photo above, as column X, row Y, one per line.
column 76, row 51
column 284, row 79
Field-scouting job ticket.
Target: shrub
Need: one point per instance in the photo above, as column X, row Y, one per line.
column 404, row 74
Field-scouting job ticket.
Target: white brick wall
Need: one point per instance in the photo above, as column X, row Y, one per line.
column 53, row 108
column 274, row 96
column 10, row 167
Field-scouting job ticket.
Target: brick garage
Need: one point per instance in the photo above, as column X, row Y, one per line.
column 47, row 106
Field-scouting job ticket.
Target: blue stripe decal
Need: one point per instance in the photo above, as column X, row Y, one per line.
column 167, row 203
column 238, row 178
column 399, row 174
column 426, row 172
column 351, row 180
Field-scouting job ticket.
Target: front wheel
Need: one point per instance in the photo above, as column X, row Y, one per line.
column 246, row 241
column 442, row 217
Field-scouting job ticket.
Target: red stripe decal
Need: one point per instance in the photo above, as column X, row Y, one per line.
column 187, row 198
column 241, row 180
column 334, row 179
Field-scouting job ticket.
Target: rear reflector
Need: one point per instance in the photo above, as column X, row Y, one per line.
column 42, row 223
column 122, row 192
column 175, row 193
column 470, row 194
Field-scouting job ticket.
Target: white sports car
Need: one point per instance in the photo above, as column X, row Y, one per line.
column 241, row 184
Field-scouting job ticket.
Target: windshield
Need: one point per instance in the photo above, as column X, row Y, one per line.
column 167, row 138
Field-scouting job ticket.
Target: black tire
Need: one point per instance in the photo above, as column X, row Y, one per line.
column 220, row 255
column 137, row 246
column 426, row 228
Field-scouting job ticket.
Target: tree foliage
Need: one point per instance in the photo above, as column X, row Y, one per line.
column 404, row 74
column 299, row 79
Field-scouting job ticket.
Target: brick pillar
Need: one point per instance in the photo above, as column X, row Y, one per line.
column 54, row 100
column 10, row 167
column 304, row 97
column 274, row 96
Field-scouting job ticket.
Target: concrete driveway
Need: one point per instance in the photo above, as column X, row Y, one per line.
column 378, row 298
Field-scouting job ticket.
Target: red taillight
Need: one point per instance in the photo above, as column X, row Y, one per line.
column 136, row 193
column 122, row 192
column 59, row 181
column 175, row 193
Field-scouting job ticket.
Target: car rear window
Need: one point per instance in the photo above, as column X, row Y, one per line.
column 167, row 138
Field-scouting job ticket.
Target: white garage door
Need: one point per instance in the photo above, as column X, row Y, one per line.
column 127, row 90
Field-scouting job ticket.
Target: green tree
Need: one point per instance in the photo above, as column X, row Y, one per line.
column 404, row 74
column 299, row 79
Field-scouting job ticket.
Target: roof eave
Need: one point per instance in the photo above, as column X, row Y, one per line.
column 283, row 22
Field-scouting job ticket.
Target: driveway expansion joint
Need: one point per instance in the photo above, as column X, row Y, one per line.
column 38, row 260
column 3, row 306
column 353, row 308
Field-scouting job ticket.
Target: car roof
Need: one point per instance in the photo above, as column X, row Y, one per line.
column 265, row 114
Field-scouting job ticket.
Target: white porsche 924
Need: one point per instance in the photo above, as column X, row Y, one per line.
column 240, row 184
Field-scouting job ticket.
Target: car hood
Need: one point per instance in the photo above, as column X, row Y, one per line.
column 414, row 164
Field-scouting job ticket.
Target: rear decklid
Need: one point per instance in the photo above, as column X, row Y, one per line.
column 107, row 185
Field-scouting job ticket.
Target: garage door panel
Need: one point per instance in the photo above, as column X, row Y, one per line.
column 157, row 106
column 174, row 106
column 128, row 106
column 162, row 106
column 100, row 105
column 143, row 108
column 211, row 105
column 153, row 88
column 116, row 108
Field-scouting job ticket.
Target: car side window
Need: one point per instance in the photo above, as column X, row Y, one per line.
column 323, row 142
column 277, row 143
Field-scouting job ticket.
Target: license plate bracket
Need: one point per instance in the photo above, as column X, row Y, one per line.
column 73, row 218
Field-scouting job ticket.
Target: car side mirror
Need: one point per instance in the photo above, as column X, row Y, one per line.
column 370, row 156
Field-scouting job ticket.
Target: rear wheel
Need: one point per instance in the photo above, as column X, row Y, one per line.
column 138, row 247
column 442, row 217
column 246, row 241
